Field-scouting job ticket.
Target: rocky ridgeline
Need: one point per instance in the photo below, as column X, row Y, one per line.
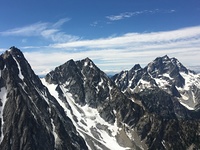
column 80, row 107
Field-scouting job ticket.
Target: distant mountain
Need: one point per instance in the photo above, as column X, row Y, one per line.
column 169, row 94
column 77, row 106
column 165, row 73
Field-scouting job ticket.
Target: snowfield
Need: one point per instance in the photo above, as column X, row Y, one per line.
column 88, row 121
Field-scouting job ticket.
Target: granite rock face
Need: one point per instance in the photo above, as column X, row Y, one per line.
column 31, row 118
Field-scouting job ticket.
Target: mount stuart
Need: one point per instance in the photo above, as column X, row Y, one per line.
column 77, row 106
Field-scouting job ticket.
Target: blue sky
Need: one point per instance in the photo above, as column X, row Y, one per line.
column 115, row 34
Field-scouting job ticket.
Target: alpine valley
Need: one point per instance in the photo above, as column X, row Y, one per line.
column 77, row 106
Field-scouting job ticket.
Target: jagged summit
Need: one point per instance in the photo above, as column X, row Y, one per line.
column 14, row 51
column 165, row 64
column 87, row 59
column 169, row 91
column 136, row 67
column 84, row 88
column 166, row 73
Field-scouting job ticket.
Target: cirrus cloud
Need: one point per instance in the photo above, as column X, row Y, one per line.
column 112, row 53
column 46, row 30
column 136, row 13
column 122, row 52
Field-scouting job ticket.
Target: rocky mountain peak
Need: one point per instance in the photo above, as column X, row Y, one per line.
column 165, row 64
column 165, row 58
column 166, row 73
column 87, row 59
column 94, row 103
column 17, row 67
column 14, row 52
column 79, row 76
column 87, row 63
column 30, row 117
column 136, row 67
column 169, row 92
column 171, row 67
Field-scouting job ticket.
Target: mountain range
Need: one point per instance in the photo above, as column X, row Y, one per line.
column 77, row 106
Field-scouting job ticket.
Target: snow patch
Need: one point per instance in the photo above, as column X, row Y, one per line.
column 185, row 105
column 19, row 68
column 184, row 97
column 3, row 94
column 56, row 138
column 168, row 76
column 163, row 143
column 161, row 83
column 51, row 88
column 124, row 75
column 100, row 84
column 191, row 79
column 144, row 84
column 85, row 63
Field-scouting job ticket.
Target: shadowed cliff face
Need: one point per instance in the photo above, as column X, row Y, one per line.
column 30, row 117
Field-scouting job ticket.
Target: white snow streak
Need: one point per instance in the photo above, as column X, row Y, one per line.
column 56, row 138
column 19, row 68
column 3, row 94
column 188, row 107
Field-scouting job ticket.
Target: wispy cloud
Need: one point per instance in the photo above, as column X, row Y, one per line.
column 180, row 36
column 94, row 24
column 30, row 30
column 122, row 52
column 46, row 30
column 125, row 15
column 60, row 22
